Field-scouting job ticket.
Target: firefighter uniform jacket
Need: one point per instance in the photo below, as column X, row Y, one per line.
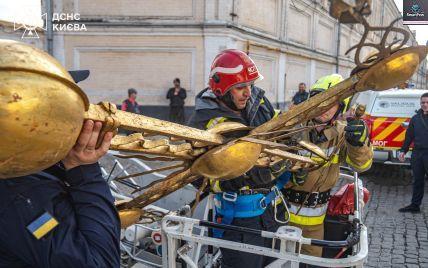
column 333, row 142
column 208, row 113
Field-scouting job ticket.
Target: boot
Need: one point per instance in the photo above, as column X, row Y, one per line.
column 410, row 208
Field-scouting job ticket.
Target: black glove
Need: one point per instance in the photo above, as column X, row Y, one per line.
column 356, row 132
column 299, row 177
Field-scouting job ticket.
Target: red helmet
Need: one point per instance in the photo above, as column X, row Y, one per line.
column 230, row 68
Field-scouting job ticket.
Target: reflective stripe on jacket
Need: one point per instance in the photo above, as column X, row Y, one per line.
column 208, row 113
column 325, row 178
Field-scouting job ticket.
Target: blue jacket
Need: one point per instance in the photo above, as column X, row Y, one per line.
column 88, row 229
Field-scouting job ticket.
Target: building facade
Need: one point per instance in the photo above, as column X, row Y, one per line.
column 145, row 44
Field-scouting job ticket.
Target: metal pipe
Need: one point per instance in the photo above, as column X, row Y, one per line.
column 285, row 91
column 49, row 28
column 352, row 239
column 202, row 233
column 164, row 247
column 233, row 14
column 349, row 242
column 230, row 227
column 356, row 196
column 329, row 244
column 182, row 252
column 338, row 47
column 210, row 217
column 381, row 18
column 354, row 261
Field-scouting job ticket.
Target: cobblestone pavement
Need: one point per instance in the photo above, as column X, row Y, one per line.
column 395, row 239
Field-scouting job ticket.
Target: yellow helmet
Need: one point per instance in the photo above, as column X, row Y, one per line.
column 325, row 82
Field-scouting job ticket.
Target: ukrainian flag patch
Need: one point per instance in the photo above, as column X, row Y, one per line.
column 42, row 225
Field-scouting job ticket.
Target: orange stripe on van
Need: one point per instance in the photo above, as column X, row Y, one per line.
column 401, row 136
column 378, row 121
column 388, row 130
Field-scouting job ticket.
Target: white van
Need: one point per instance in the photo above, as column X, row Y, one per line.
column 387, row 115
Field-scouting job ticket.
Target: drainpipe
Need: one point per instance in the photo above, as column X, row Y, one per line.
column 49, row 31
column 285, row 91
column 338, row 47
column 232, row 14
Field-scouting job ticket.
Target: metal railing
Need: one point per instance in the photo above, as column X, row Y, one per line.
column 177, row 230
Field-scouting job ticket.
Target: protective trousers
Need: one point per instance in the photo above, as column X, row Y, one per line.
column 419, row 163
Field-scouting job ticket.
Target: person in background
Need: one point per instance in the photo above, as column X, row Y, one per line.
column 417, row 132
column 301, row 95
column 131, row 104
column 176, row 96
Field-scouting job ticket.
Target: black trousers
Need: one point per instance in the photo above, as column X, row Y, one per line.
column 176, row 114
column 237, row 259
column 419, row 164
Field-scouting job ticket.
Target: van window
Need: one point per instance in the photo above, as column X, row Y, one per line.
column 361, row 98
column 395, row 107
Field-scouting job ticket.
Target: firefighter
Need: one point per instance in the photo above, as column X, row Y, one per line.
column 346, row 142
column 244, row 201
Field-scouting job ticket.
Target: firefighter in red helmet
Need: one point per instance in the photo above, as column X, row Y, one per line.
column 230, row 68
column 244, row 201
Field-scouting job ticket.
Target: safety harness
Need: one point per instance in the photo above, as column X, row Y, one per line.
column 230, row 205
